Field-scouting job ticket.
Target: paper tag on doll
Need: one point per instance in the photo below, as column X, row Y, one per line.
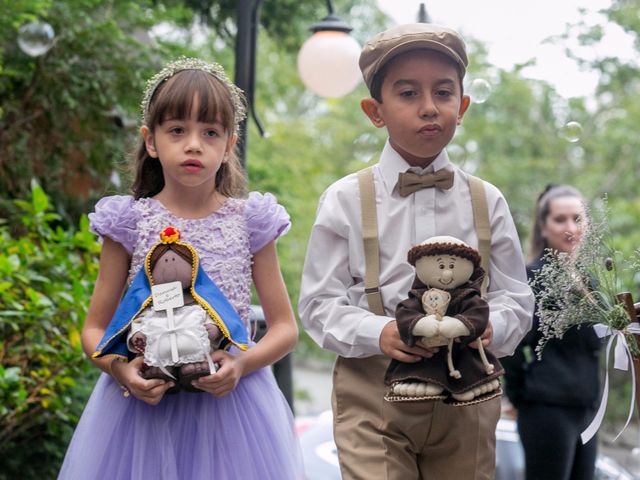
column 167, row 295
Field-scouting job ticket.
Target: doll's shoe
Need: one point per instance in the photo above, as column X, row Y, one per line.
column 149, row 373
column 480, row 394
column 190, row 372
column 414, row 392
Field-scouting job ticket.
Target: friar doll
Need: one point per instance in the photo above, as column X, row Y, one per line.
column 176, row 344
column 445, row 309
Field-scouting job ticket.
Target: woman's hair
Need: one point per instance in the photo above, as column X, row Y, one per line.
column 537, row 243
column 173, row 99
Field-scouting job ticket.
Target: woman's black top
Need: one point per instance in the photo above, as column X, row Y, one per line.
column 566, row 375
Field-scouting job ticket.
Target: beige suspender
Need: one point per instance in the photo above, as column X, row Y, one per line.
column 483, row 227
column 370, row 234
column 370, row 240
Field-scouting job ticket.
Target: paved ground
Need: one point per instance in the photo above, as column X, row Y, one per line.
column 312, row 386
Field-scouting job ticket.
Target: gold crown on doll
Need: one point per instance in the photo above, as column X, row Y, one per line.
column 186, row 63
column 169, row 235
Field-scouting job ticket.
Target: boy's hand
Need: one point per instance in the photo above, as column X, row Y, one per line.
column 392, row 346
column 485, row 338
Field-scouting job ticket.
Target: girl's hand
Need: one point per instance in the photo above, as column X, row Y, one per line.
column 226, row 378
column 128, row 375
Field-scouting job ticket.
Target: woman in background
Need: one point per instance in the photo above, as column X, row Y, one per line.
column 555, row 397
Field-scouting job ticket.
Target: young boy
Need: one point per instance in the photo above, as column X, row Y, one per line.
column 414, row 73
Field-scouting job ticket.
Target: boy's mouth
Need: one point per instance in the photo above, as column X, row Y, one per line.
column 429, row 129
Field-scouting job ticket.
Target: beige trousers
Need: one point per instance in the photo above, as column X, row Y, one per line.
column 381, row 440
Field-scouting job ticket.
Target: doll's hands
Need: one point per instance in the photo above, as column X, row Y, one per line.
column 426, row 327
column 226, row 378
column 138, row 342
column 451, row 327
column 392, row 346
column 213, row 332
column 128, row 375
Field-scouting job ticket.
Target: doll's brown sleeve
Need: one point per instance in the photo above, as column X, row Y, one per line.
column 408, row 312
column 474, row 313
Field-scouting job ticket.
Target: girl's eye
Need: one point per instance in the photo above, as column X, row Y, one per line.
column 176, row 130
column 211, row 133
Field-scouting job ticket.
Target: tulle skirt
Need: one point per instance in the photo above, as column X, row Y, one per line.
column 245, row 435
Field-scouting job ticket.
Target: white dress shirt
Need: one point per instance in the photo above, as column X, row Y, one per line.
column 333, row 307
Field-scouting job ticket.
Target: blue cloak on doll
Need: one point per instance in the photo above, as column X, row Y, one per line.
column 138, row 297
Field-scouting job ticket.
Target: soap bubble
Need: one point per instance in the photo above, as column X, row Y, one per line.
column 479, row 90
column 571, row 131
column 35, row 38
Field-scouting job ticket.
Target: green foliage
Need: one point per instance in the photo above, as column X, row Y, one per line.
column 65, row 115
column 47, row 278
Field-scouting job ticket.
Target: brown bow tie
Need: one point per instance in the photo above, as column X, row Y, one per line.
column 409, row 182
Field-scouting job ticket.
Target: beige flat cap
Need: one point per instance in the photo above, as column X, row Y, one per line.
column 386, row 45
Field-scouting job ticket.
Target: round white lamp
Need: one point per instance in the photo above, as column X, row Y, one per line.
column 328, row 60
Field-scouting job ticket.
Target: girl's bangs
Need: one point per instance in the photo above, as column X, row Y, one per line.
column 176, row 97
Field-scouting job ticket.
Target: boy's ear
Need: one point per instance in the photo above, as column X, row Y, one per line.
column 464, row 104
column 371, row 109
column 148, row 141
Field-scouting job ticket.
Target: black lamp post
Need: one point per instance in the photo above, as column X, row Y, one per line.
column 248, row 20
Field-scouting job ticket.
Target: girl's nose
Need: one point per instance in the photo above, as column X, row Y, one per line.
column 193, row 143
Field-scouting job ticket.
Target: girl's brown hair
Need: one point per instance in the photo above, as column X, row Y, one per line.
column 537, row 243
column 173, row 99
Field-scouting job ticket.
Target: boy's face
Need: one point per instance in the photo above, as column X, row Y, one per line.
column 421, row 106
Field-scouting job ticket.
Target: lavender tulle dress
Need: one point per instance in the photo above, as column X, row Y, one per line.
column 245, row 435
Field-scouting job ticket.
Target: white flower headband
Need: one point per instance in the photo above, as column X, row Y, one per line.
column 185, row 63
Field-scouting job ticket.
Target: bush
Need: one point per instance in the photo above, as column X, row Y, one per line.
column 47, row 274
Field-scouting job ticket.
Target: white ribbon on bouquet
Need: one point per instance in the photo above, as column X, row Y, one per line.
column 622, row 355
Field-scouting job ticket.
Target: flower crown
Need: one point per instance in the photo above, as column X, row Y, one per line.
column 186, row 63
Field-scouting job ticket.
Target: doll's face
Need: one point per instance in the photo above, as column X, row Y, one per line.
column 444, row 271
column 171, row 267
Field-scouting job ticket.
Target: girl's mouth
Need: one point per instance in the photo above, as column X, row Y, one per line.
column 192, row 165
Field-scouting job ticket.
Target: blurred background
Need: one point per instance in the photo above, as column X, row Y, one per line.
column 555, row 91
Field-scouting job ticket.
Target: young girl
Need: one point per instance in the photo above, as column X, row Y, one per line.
column 187, row 176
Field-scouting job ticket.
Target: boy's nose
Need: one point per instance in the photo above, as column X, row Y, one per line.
column 428, row 108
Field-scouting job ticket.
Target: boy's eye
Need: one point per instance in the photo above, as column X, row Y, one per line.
column 408, row 93
column 443, row 93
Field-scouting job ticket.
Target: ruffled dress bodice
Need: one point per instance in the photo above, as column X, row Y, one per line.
column 225, row 240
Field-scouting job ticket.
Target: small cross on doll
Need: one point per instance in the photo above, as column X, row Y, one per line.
column 445, row 308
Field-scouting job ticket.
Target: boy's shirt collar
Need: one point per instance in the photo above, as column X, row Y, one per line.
column 391, row 164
